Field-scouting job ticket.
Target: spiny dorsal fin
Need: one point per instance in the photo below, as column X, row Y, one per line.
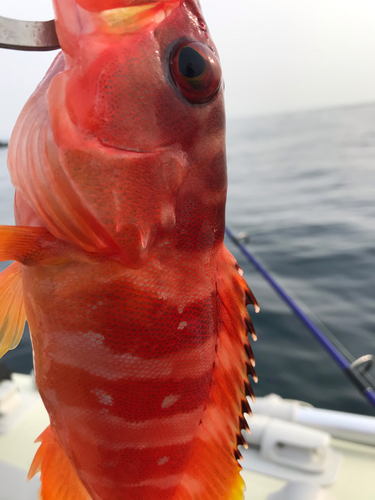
column 213, row 471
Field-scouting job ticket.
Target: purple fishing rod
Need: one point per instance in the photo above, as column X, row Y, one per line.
column 350, row 369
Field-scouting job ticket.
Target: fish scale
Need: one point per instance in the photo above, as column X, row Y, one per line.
column 137, row 311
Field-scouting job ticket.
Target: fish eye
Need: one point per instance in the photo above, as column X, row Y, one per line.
column 195, row 71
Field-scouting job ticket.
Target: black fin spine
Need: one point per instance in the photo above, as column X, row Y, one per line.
column 249, row 390
column 241, row 441
column 243, row 424
column 250, row 299
column 249, row 325
column 250, row 371
column 249, row 352
column 245, row 407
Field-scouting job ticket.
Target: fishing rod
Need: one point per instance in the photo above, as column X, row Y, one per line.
column 351, row 369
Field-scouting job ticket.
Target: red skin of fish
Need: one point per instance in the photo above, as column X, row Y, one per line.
column 131, row 180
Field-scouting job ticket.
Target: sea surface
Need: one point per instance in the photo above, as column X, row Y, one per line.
column 303, row 187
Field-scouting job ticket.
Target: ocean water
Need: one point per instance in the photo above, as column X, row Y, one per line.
column 303, row 187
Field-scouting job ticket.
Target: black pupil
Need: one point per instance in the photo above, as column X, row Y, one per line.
column 190, row 63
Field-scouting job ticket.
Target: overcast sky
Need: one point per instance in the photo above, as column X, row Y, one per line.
column 277, row 55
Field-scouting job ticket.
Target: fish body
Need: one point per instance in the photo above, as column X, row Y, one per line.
column 137, row 311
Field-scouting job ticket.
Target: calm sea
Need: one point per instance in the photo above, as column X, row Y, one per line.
column 303, row 187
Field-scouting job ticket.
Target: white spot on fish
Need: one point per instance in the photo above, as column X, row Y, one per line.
column 100, row 303
column 180, row 310
column 170, row 400
column 104, row 398
column 95, row 338
column 163, row 460
column 182, row 325
column 94, row 307
column 167, row 216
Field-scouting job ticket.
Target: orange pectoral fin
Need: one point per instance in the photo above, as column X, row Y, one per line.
column 27, row 245
column 12, row 310
column 58, row 476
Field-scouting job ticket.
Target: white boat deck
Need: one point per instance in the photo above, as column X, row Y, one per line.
column 356, row 478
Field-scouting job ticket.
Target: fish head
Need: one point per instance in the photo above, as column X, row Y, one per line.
column 142, row 75
column 137, row 116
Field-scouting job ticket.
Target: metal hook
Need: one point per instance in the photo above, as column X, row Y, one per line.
column 363, row 364
column 28, row 35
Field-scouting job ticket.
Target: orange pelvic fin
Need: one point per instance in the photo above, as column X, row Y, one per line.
column 58, row 476
column 213, row 468
column 28, row 245
column 12, row 309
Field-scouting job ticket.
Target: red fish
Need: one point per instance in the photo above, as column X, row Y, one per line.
column 136, row 309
